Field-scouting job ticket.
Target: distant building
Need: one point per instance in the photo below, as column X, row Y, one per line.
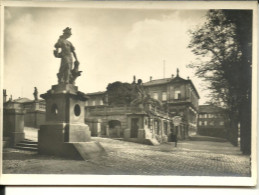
column 212, row 121
column 179, row 96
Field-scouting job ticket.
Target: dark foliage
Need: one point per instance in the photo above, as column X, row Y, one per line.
column 223, row 46
column 120, row 93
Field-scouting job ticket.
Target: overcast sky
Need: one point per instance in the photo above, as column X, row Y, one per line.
column 111, row 45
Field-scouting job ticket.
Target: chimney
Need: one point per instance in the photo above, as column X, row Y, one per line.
column 151, row 78
column 5, row 95
column 172, row 76
column 188, row 78
column 177, row 71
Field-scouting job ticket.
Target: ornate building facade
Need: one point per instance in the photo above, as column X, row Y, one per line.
column 179, row 97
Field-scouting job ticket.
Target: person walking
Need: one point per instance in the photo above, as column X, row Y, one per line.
column 176, row 136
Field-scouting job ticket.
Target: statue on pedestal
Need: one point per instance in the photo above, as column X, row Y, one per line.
column 66, row 74
column 35, row 94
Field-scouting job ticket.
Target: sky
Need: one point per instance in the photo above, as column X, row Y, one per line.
column 111, row 45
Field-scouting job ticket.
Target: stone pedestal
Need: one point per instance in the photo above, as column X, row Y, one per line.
column 65, row 133
column 13, row 126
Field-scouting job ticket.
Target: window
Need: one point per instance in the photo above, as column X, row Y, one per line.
column 177, row 95
column 203, row 123
column 101, row 102
column 202, row 116
column 86, row 103
column 164, row 96
column 155, row 96
column 93, row 103
column 221, row 123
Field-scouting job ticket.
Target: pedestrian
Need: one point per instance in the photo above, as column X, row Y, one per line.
column 175, row 136
column 176, row 139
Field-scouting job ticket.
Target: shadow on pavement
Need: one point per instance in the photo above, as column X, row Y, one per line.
column 206, row 138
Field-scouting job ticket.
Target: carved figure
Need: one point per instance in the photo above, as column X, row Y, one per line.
column 66, row 73
column 10, row 98
column 143, row 98
column 35, row 93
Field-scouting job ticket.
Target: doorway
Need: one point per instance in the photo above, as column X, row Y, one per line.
column 134, row 127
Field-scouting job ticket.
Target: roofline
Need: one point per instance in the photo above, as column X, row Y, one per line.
column 97, row 93
column 171, row 79
column 194, row 88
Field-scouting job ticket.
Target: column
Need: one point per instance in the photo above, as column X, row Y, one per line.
column 98, row 127
column 107, row 130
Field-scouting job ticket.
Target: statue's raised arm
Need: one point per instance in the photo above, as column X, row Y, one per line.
column 64, row 50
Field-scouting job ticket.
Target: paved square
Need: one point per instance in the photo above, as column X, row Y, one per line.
column 193, row 158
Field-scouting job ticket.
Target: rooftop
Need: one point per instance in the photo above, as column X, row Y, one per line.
column 168, row 80
column 210, row 109
column 157, row 82
column 22, row 100
column 26, row 100
column 96, row 93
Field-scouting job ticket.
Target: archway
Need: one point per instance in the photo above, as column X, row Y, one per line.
column 114, row 128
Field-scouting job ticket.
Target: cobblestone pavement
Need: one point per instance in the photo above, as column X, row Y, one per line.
column 193, row 158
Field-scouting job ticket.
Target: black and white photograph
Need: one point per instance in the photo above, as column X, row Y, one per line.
column 130, row 93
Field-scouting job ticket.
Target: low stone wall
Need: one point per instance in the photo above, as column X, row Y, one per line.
column 34, row 118
column 104, row 115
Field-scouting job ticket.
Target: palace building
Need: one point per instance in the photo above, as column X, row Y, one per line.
column 179, row 96
column 151, row 119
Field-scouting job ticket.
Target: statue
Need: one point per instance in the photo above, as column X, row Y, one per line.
column 143, row 98
column 10, row 98
column 66, row 74
column 35, row 94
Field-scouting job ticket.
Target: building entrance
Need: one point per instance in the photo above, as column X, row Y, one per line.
column 134, row 127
